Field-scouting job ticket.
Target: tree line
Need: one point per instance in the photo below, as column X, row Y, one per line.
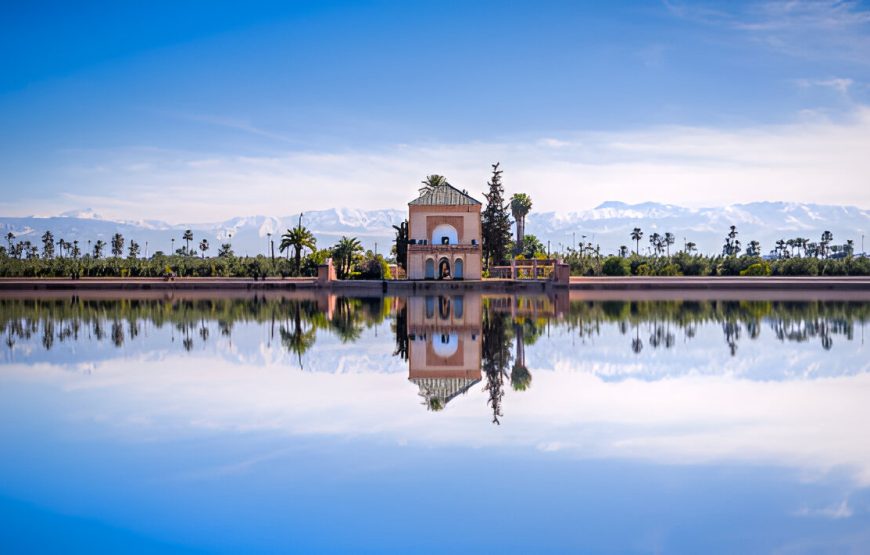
column 123, row 258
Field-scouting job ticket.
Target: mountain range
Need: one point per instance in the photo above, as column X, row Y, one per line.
column 608, row 225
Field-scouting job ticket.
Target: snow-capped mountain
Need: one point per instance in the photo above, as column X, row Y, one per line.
column 609, row 225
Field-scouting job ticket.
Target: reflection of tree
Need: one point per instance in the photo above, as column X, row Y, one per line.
column 344, row 322
column 637, row 342
column 117, row 333
column 400, row 328
column 298, row 339
column 496, row 358
column 521, row 378
column 48, row 321
column 732, row 335
column 47, row 334
column 661, row 336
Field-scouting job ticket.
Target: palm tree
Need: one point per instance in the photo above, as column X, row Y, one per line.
column 187, row 237
column 849, row 247
column 48, row 244
column 669, row 240
column 691, row 247
column 636, row 236
column 117, row 244
column 203, row 246
column 827, row 237
column 781, row 247
column 133, row 250
column 98, row 248
column 655, row 240
column 344, row 252
column 521, row 204
column 732, row 244
column 299, row 238
column 431, row 182
column 623, row 251
column 754, row 248
column 9, row 238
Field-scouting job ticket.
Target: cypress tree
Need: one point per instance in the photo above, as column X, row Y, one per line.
column 495, row 222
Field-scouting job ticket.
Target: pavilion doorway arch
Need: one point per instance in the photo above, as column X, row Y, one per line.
column 444, row 268
column 430, row 269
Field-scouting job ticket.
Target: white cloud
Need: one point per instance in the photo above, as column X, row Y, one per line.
column 812, row 160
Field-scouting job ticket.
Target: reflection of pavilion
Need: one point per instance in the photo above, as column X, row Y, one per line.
column 444, row 346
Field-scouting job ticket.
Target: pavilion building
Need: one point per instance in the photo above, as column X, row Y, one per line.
column 444, row 235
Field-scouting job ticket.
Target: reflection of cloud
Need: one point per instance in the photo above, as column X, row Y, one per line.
column 814, row 426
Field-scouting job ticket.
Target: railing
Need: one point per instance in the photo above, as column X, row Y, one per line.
column 533, row 269
column 441, row 247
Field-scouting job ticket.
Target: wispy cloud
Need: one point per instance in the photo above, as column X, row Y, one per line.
column 236, row 124
column 839, row 84
column 835, row 511
column 823, row 29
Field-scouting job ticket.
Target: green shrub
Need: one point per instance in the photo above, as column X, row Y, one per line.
column 668, row 270
column 644, row 270
column 757, row 269
column 796, row 267
column 616, row 266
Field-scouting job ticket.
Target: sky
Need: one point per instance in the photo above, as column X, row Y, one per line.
column 201, row 111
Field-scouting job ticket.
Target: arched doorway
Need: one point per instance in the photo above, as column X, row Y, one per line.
column 430, row 269
column 457, row 269
column 443, row 269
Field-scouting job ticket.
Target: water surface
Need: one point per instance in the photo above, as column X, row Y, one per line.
column 454, row 423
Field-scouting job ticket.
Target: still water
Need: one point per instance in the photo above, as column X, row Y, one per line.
column 443, row 424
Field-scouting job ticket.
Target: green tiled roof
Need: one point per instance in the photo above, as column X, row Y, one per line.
column 445, row 195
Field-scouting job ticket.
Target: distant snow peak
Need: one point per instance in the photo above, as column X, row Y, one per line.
column 85, row 214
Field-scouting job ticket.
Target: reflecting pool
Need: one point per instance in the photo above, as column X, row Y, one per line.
column 457, row 423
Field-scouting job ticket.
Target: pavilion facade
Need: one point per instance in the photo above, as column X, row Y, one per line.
column 444, row 234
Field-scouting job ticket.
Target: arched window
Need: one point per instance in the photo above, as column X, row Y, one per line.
column 457, row 269
column 430, row 269
column 445, row 234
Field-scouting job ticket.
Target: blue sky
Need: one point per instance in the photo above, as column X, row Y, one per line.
column 206, row 110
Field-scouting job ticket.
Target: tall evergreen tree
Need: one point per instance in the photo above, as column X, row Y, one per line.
column 496, row 221
column 402, row 244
